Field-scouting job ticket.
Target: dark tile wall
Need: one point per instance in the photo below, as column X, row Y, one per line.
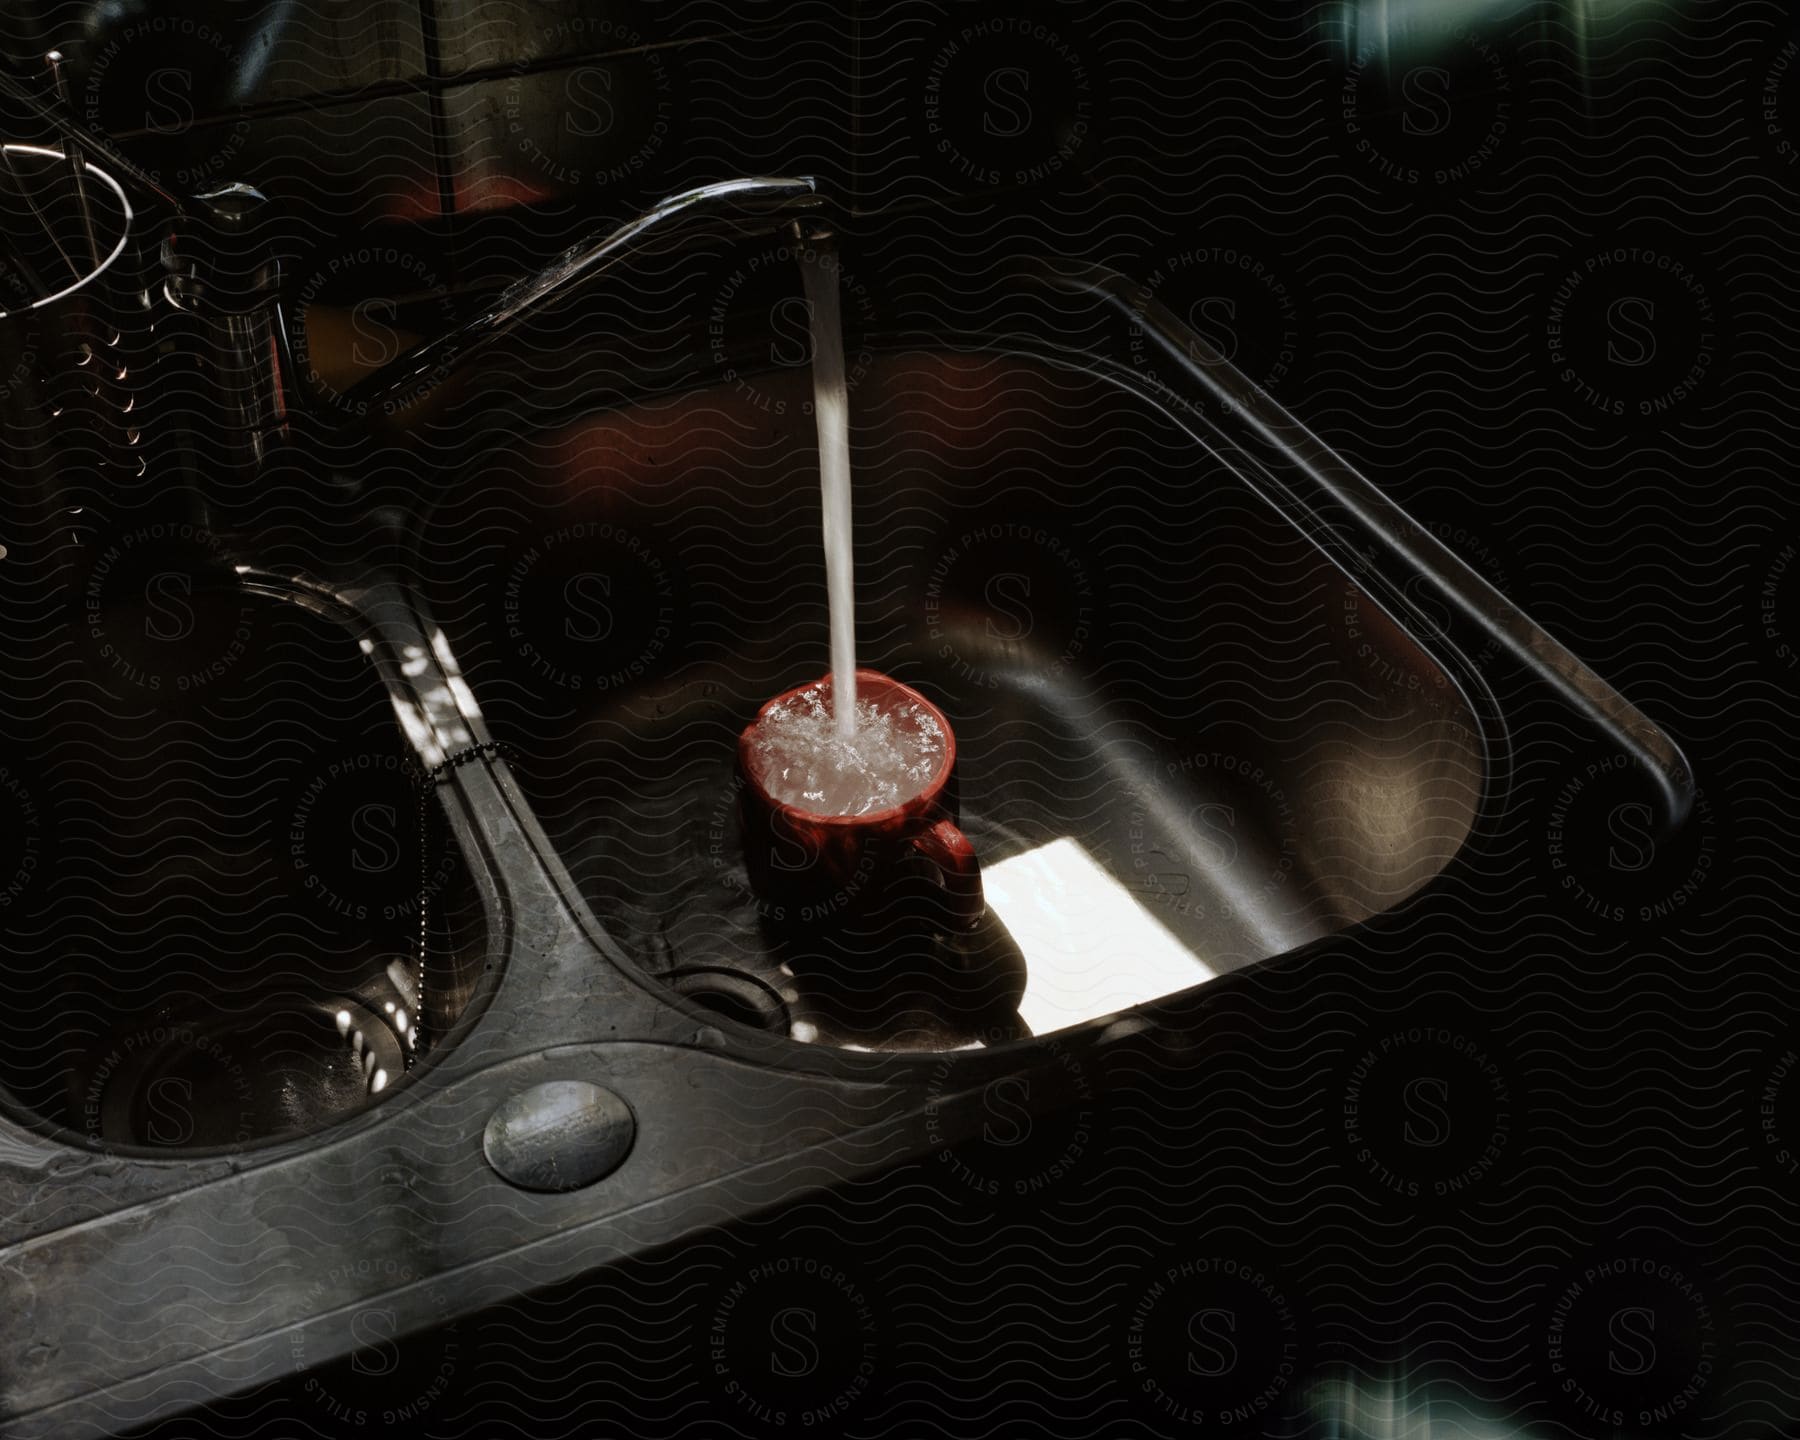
column 966, row 100
column 449, row 113
column 443, row 114
column 632, row 124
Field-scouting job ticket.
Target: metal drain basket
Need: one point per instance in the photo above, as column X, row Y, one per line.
column 73, row 322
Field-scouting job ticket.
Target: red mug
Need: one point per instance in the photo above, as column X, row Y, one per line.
column 821, row 866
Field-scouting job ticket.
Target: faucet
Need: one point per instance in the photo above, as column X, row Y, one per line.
column 215, row 265
column 750, row 206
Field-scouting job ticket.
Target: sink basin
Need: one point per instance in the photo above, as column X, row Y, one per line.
column 1187, row 742
column 213, row 911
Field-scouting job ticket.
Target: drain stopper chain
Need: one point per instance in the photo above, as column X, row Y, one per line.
column 487, row 749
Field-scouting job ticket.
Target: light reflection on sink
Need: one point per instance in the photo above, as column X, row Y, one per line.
column 1069, row 917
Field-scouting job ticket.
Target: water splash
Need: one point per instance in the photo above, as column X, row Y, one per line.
column 802, row 757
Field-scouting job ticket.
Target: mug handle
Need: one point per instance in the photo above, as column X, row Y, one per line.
column 959, row 871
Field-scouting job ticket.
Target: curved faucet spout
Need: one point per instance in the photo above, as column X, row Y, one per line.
column 751, row 205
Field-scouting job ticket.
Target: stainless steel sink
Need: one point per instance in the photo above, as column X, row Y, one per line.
column 1187, row 741
column 1204, row 723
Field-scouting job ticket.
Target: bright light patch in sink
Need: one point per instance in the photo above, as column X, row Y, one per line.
column 1090, row 947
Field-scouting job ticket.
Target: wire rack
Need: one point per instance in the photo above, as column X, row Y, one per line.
column 73, row 313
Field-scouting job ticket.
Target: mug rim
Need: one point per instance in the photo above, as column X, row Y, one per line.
column 916, row 804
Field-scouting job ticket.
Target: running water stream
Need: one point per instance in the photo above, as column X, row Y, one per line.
column 800, row 758
column 829, row 750
column 831, row 405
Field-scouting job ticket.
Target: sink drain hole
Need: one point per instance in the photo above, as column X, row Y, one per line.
column 733, row 995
